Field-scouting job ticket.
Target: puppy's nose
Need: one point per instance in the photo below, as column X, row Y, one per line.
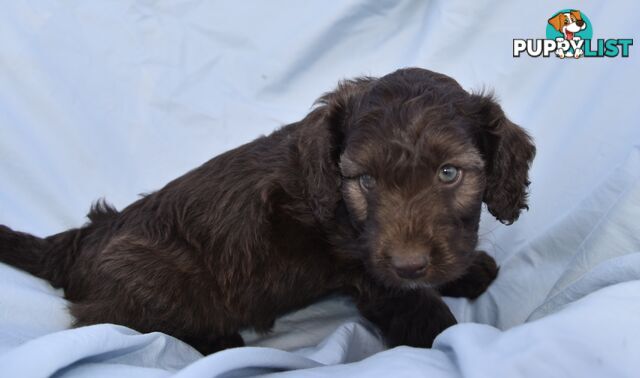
column 410, row 267
column 579, row 23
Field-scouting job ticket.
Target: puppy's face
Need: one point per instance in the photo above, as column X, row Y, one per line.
column 414, row 188
column 416, row 164
column 569, row 21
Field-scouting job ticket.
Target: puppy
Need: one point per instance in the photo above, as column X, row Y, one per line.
column 375, row 194
column 568, row 24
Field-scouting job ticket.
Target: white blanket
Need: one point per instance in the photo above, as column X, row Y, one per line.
column 113, row 99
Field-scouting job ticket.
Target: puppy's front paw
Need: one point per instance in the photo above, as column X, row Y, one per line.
column 475, row 281
column 213, row 344
column 418, row 329
column 413, row 319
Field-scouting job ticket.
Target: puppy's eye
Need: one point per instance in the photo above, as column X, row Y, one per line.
column 367, row 182
column 448, row 174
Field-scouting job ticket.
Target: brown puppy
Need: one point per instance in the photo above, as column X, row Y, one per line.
column 376, row 193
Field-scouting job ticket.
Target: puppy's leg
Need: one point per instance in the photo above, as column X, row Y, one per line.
column 407, row 317
column 95, row 312
column 154, row 287
column 210, row 345
column 475, row 281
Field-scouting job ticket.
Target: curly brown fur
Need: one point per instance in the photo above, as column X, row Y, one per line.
column 348, row 200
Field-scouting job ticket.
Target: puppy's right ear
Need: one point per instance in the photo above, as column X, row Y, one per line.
column 556, row 21
column 337, row 106
column 321, row 142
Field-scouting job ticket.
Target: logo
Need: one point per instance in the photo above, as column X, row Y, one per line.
column 569, row 35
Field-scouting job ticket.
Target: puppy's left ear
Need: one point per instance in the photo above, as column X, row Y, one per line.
column 576, row 14
column 508, row 151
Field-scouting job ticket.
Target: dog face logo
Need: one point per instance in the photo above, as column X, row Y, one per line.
column 568, row 23
column 571, row 25
column 569, row 35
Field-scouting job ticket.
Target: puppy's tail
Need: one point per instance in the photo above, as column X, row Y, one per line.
column 52, row 257
column 21, row 250
column 49, row 258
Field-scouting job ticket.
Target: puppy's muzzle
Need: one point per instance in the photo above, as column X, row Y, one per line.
column 410, row 265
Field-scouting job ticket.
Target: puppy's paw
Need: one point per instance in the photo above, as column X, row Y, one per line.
column 413, row 319
column 475, row 281
column 419, row 329
column 578, row 53
column 210, row 345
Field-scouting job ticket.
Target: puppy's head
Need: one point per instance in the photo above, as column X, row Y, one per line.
column 417, row 156
column 570, row 21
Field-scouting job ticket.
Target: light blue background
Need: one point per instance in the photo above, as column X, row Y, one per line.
column 116, row 98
